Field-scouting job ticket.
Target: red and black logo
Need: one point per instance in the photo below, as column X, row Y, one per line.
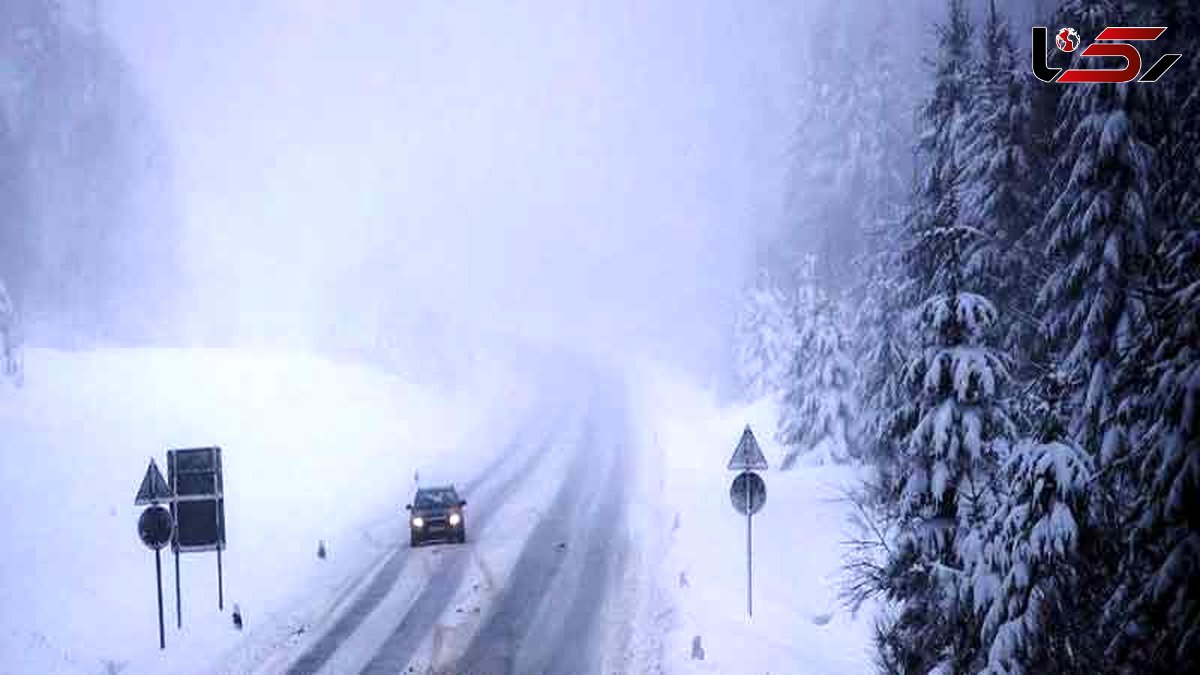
column 1117, row 44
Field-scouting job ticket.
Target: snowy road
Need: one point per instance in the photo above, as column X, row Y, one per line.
column 536, row 589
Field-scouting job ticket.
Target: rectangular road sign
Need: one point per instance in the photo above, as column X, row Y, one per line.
column 201, row 525
column 196, row 479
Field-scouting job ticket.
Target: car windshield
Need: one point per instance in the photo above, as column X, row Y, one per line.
column 435, row 498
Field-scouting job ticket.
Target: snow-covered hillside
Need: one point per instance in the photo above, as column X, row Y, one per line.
column 312, row 450
column 799, row 624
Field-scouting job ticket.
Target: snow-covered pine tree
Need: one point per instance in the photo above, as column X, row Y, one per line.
column 961, row 432
column 877, row 334
column 1100, row 314
column 947, row 472
column 1154, row 610
column 997, row 188
column 1099, row 230
column 819, row 405
column 1156, row 607
column 1177, row 115
column 764, row 339
column 906, row 269
column 1099, row 236
column 827, row 179
column 852, row 150
column 932, row 628
column 944, row 120
column 881, row 353
column 1024, row 563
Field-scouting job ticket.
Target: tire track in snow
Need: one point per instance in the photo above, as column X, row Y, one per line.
column 316, row 656
column 526, row 617
column 410, row 634
column 575, row 650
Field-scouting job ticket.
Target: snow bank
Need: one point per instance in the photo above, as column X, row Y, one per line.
column 799, row 625
column 312, row 450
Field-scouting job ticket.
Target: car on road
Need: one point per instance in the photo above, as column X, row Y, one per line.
column 436, row 514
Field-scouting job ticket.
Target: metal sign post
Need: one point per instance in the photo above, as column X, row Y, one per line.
column 155, row 528
column 749, row 551
column 748, row 494
column 749, row 555
column 220, row 584
column 162, row 637
column 178, row 595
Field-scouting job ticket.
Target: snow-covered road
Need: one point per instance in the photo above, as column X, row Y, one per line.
column 534, row 590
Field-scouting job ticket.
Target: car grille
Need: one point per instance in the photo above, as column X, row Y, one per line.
column 436, row 521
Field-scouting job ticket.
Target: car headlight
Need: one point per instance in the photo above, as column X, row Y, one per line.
column 455, row 519
column 418, row 522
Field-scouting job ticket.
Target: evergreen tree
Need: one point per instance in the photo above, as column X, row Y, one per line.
column 851, row 149
column 1156, row 607
column 907, row 264
column 1074, row 551
column 765, row 338
column 1176, row 115
column 1024, row 562
column 940, row 149
column 947, row 468
column 997, row 188
column 1098, row 232
column 879, row 340
column 819, row 406
column 1154, row 610
column 960, row 431
column 1113, row 145
column 881, row 354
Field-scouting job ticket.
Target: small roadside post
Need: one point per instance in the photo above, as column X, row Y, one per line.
column 748, row 494
column 155, row 529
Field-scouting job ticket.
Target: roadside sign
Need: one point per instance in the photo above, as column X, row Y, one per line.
column 201, row 525
column 747, row 456
column 748, row 493
column 155, row 527
column 154, row 487
column 195, row 477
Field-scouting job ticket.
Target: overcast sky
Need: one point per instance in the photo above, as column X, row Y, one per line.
column 602, row 169
column 598, row 167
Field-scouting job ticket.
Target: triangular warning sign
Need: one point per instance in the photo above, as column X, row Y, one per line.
column 154, row 487
column 748, row 456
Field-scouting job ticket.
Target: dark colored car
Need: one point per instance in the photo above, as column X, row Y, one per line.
column 436, row 514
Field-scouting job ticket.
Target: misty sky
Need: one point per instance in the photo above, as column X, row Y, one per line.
column 599, row 167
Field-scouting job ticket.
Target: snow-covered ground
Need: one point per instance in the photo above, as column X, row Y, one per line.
column 799, row 624
column 312, row 450
column 316, row 449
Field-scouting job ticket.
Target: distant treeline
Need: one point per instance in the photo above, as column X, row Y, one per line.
column 88, row 234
